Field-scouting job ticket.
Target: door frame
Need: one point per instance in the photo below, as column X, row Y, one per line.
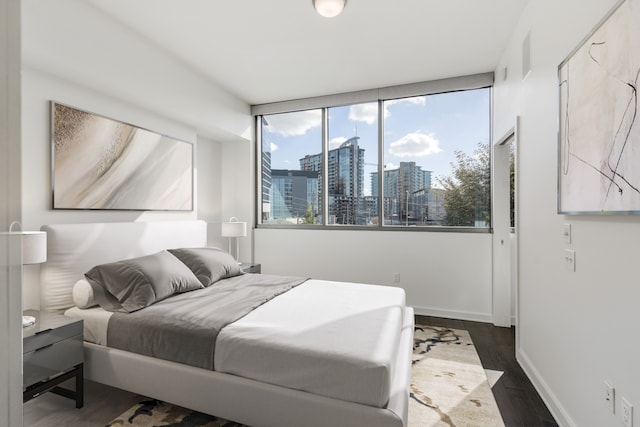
column 504, row 245
column 10, row 210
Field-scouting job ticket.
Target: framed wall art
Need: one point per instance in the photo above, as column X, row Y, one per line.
column 599, row 134
column 101, row 163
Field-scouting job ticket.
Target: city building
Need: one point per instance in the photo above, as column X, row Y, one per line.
column 294, row 194
column 405, row 194
column 345, row 181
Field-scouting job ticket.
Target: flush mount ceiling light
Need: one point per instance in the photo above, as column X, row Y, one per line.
column 329, row 8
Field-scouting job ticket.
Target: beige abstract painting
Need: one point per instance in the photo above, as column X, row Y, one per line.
column 100, row 163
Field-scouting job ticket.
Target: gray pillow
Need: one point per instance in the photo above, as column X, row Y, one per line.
column 208, row 264
column 136, row 283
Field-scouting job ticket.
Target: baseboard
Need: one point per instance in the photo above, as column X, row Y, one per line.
column 451, row 314
column 559, row 414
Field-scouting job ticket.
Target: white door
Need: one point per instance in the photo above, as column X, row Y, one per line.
column 505, row 253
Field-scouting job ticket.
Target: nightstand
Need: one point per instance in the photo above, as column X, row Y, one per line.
column 52, row 353
column 248, row 267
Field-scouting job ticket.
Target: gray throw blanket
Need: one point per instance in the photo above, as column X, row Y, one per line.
column 184, row 328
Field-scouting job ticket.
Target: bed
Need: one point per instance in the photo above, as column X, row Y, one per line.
column 320, row 353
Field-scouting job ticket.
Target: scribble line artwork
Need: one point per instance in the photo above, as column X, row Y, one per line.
column 599, row 138
column 100, row 163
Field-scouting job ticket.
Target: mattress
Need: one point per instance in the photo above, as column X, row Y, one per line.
column 333, row 339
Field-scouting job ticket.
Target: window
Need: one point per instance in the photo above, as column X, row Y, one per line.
column 351, row 158
column 291, row 184
column 416, row 162
column 436, row 159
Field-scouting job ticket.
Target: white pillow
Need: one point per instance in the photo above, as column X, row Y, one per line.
column 83, row 296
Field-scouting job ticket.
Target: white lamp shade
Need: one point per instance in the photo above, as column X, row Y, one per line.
column 234, row 229
column 34, row 247
column 329, row 8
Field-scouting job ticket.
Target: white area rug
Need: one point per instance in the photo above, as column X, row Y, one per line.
column 449, row 386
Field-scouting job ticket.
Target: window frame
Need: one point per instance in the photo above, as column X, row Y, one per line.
column 455, row 84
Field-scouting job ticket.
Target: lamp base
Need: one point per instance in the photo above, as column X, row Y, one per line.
column 28, row 321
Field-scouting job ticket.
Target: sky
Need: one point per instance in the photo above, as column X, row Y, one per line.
column 426, row 129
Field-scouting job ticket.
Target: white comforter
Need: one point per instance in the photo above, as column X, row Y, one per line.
column 329, row 338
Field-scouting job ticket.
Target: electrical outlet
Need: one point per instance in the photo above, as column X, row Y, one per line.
column 610, row 397
column 396, row 277
column 627, row 413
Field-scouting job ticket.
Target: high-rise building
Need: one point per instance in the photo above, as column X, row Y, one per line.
column 405, row 195
column 345, row 181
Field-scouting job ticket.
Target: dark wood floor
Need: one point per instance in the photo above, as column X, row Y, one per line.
column 519, row 402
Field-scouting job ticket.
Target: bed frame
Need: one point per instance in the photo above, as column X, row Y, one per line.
column 74, row 248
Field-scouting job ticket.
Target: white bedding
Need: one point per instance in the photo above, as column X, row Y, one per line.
column 317, row 338
column 96, row 322
column 327, row 323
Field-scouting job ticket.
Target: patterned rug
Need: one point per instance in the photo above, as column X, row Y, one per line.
column 449, row 389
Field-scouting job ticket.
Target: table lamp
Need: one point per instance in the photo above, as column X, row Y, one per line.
column 234, row 229
column 34, row 251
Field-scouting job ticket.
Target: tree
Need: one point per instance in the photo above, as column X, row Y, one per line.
column 309, row 217
column 467, row 192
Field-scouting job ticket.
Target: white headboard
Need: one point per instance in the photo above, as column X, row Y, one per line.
column 73, row 249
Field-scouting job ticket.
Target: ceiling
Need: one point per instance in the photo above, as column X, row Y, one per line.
column 265, row 51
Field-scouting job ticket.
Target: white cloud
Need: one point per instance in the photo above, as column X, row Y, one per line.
column 294, row 124
column 415, row 145
column 273, row 147
column 368, row 112
column 416, row 100
column 336, row 142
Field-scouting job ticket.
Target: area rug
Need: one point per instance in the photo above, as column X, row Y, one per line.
column 449, row 389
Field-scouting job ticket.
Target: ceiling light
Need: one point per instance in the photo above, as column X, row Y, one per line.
column 329, row 8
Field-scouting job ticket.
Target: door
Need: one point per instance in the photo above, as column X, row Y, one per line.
column 505, row 254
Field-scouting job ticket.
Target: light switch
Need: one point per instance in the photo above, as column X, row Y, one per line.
column 570, row 259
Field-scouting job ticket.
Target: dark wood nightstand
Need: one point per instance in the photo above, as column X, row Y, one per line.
column 52, row 353
column 248, row 267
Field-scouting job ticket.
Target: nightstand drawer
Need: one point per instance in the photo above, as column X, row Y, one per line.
column 49, row 329
column 52, row 360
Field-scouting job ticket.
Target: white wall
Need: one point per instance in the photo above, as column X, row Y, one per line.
column 444, row 274
column 10, row 246
column 74, row 39
column 575, row 330
column 74, row 54
column 238, row 199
